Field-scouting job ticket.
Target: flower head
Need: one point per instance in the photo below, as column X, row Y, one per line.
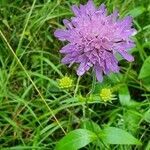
column 94, row 38
column 65, row 82
column 106, row 94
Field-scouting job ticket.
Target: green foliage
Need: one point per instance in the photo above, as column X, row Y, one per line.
column 137, row 11
column 35, row 113
column 114, row 135
column 145, row 70
column 124, row 95
column 109, row 135
column 147, row 116
column 76, row 139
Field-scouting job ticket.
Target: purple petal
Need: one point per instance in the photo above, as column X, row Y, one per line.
column 125, row 23
column 113, row 17
column 69, row 48
column 102, row 9
column 127, row 33
column 67, row 59
column 114, row 64
column 124, row 45
column 90, row 7
column 61, row 34
column 81, row 69
column 99, row 73
column 68, row 24
column 76, row 10
column 125, row 55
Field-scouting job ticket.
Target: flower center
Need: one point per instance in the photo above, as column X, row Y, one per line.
column 106, row 94
column 65, row 82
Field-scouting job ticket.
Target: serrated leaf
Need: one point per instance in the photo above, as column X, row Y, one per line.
column 76, row 139
column 113, row 135
column 145, row 70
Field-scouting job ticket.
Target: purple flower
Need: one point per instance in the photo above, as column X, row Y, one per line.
column 94, row 38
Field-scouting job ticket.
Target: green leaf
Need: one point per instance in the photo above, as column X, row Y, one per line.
column 114, row 135
column 145, row 70
column 132, row 119
column 90, row 125
column 146, row 83
column 124, row 95
column 147, row 116
column 136, row 11
column 76, row 139
column 115, row 77
column 148, row 146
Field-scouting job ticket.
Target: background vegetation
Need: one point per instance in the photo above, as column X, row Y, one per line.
column 35, row 113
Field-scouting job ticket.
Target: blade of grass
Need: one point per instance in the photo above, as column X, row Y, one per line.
column 19, row 62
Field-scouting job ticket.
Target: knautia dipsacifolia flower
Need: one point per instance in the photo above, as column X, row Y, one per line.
column 94, row 38
column 106, row 95
column 65, row 82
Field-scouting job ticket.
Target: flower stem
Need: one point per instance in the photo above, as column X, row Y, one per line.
column 93, row 83
column 77, row 86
